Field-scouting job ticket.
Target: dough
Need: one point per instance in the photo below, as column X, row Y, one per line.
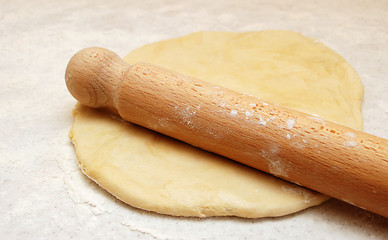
column 157, row 173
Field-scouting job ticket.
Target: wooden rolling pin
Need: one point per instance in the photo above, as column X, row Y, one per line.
column 335, row 160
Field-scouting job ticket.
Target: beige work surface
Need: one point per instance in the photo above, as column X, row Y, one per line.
column 43, row 193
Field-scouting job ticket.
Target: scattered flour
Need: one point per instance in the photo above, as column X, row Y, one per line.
column 152, row 233
column 288, row 136
column 290, row 123
column 233, row 113
column 350, row 134
column 277, row 168
column 351, row 144
column 307, row 195
column 276, row 165
column 262, row 121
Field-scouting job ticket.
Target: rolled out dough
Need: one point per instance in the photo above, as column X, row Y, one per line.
column 156, row 173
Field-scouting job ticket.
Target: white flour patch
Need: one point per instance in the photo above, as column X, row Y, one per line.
column 164, row 122
column 288, row 136
column 290, row 123
column 306, row 194
column 262, row 121
column 275, row 163
column 275, row 149
column 233, row 113
column 141, row 230
column 277, row 168
column 186, row 116
column 350, row 134
column 351, row 144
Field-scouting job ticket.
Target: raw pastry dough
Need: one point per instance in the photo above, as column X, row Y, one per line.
column 154, row 172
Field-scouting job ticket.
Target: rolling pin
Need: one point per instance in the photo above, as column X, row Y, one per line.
column 335, row 160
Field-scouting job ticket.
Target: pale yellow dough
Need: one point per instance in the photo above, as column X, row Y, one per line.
column 157, row 173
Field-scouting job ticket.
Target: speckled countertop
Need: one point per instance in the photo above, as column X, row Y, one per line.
column 43, row 194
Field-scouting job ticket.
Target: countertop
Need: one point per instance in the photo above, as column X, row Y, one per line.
column 43, row 193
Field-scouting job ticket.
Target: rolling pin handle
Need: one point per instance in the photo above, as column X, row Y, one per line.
column 93, row 76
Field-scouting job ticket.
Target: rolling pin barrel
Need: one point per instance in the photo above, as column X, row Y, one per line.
column 338, row 161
